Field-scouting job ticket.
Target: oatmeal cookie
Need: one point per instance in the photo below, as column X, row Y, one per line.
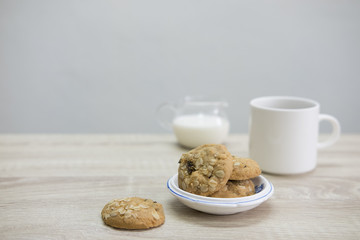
column 133, row 213
column 205, row 169
column 235, row 189
column 244, row 168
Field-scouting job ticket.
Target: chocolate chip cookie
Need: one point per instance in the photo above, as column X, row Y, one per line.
column 244, row 168
column 205, row 169
column 133, row 213
column 235, row 189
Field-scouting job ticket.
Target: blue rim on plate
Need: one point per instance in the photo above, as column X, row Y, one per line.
column 261, row 197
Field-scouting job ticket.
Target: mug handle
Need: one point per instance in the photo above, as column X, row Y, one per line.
column 336, row 130
column 165, row 113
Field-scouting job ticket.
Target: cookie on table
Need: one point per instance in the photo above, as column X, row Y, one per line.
column 244, row 168
column 205, row 169
column 235, row 189
column 133, row 213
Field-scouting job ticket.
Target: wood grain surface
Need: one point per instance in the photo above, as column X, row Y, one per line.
column 55, row 186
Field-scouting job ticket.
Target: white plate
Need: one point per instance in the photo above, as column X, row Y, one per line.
column 223, row 206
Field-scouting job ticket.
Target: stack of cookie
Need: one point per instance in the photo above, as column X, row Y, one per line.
column 210, row 170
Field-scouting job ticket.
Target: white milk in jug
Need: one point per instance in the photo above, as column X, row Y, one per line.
column 197, row 129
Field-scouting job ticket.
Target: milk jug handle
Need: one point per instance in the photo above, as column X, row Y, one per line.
column 165, row 114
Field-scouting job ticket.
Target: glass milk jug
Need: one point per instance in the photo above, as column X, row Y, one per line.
column 195, row 121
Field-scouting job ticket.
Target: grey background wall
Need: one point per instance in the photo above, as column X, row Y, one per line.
column 104, row 66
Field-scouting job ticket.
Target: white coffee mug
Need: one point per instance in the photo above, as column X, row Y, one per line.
column 283, row 133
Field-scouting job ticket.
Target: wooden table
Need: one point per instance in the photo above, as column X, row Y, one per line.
column 54, row 187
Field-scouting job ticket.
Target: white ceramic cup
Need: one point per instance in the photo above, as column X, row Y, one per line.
column 283, row 133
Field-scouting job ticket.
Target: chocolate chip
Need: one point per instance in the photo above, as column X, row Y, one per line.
column 190, row 167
